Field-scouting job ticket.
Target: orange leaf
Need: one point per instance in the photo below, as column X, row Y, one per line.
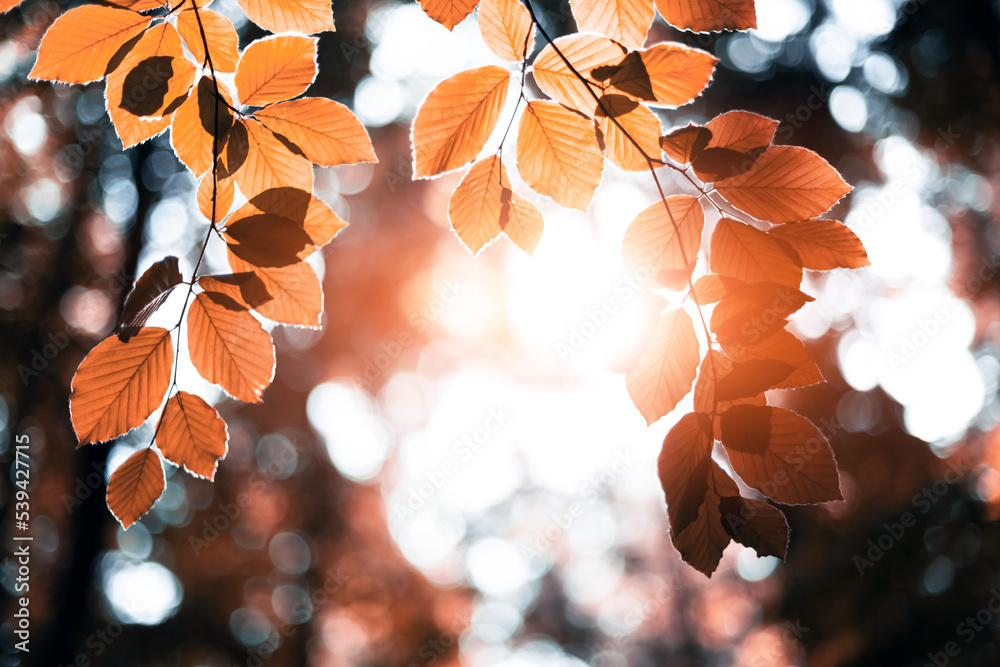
column 475, row 205
column 312, row 214
column 741, row 131
column 266, row 163
column 148, row 294
column 666, row 369
column 118, row 385
column 506, row 28
column 558, row 154
column 220, row 34
column 753, row 312
column 456, row 119
column 702, row 543
column 684, row 144
column 195, row 123
column 7, row 5
column 153, row 77
column 224, row 193
column 326, row 132
column 667, row 74
column 782, row 346
column 138, row 5
column 755, row 524
column 448, row 13
column 523, row 223
column 132, row 130
column 781, row 454
column 717, row 164
column 135, row 485
column 748, row 254
column 305, row 16
column 714, row 366
column 79, row 45
column 229, row 348
column 711, row 288
column 683, row 468
column 193, row 435
column 823, row 244
column 665, row 238
column 245, row 288
column 708, row 15
column 587, row 53
column 625, row 21
column 750, row 378
column 638, row 122
column 275, row 68
column 267, row 240
column 296, row 296
column 785, row 183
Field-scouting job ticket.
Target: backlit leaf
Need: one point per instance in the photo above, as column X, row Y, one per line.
column 701, row 544
column 749, row 378
column 195, row 124
column 275, row 68
column 716, row 164
column 625, row 21
column 475, row 205
column 79, row 45
column 192, row 435
column 708, row 15
column 300, row 206
column 118, row 385
column 223, row 192
column 222, row 40
column 711, row 288
column 685, row 143
column 229, row 347
column 617, row 113
column 523, row 222
column 755, row 524
column 785, row 183
column 448, row 13
column 683, row 468
column 823, row 245
column 665, row 239
column 667, row 74
column 152, row 79
column 267, row 240
column 753, row 312
column 506, row 28
column 245, row 288
column 748, row 254
column 585, row 51
column 267, row 163
column 305, row 16
column 296, row 296
column 781, row 454
column 741, row 131
column 456, row 119
column 149, row 293
column 325, row 131
column 135, row 485
column 666, row 369
column 782, row 346
column 714, row 367
column 558, row 154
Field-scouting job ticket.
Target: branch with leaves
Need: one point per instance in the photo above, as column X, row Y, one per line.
column 260, row 137
column 601, row 84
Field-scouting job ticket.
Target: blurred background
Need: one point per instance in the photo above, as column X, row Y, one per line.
column 401, row 497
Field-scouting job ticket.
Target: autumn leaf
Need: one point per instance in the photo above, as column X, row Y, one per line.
column 755, row 524
column 118, row 385
column 753, row 312
column 785, row 183
column 245, row 288
column 748, row 254
column 275, row 68
column 148, row 294
column 153, row 78
column 7, row 5
column 295, row 291
column 265, row 162
column 781, row 454
column 585, row 52
column 448, row 13
column 195, row 124
column 300, row 206
column 665, row 237
column 192, row 435
column 267, row 240
column 619, row 118
column 506, row 28
column 521, row 221
column 714, row 367
column 220, row 34
column 741, row 131
column 708, row 15
column 305, row 16
column 666, row 369
column 667, row 74
column 223, row 192
column 475, row 205
column 625, row 21
column 711, row 288
column 750, row 378
column 781, row 346
column 716, row 164
column 823, row 245
column 702, row 543
column 457, row 118
column 229, row 347
column 135, row 485
column 558, row 154
column 683, row 468
column 684, row 144
column 326, row 132
column 79, row 45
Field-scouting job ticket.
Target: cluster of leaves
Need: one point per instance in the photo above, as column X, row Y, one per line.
column 601, row 84
column 259, row 136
